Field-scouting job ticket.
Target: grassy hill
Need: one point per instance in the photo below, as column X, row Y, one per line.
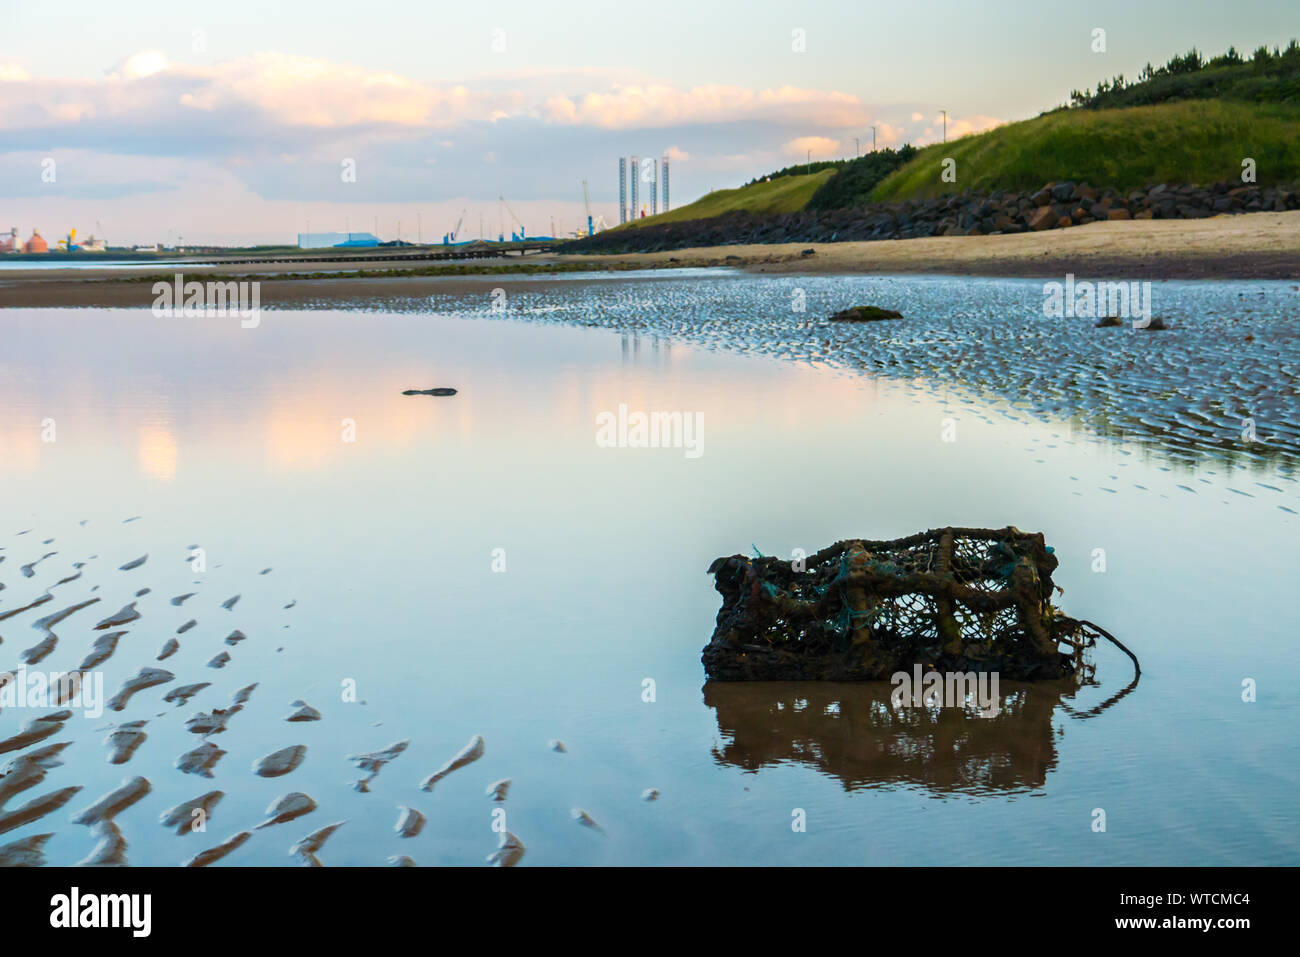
column 1192, row 120
column 1196, row 141
column 786, row 194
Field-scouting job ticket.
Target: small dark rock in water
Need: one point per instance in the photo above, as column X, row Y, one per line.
column 305, row 712
column 229, row 603
column 397, row 860
column 288, row 808
column 429, row 392
column 220, row 660
column 310, row 846
column 865, row 314
column 213, row 722
column 280, row 762
column 586, row 820
column 650, row 794
column 1154, row 325
column 134, row 563
column 235, row 637
column 186, row 627
column 201, row 760
column 1109, row 322
column 409, row 823
column 498, row 790
column 180, row 599
column 169, row 648
column 557, row 745
column 185, row 692
column 182, row 816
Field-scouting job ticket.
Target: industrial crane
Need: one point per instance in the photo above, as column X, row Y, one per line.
column 450, row 238
column 586, row 199
column 515, row 237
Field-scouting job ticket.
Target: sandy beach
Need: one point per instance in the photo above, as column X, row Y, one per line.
column 1255, row 246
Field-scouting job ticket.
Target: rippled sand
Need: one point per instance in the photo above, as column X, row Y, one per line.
column 1230, row 359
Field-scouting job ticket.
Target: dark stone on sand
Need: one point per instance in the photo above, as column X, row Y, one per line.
column 429, row 392
column 865, row 314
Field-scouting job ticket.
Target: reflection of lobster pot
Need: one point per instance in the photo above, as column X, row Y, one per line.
column 853, row 733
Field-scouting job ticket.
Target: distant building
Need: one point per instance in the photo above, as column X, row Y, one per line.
column 9, row 242
column 37, row 243
column 328, row 240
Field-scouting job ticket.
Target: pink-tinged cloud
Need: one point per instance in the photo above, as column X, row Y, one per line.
column 821, row 148
column 642, row 107
column 276, row 88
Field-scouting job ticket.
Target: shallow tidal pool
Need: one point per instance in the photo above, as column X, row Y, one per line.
column 427, row 569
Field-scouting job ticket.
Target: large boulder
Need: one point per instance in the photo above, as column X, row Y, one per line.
column 1063, row 192
column 1044, row 217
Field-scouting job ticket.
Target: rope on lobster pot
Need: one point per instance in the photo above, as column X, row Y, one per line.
column 1137, row 668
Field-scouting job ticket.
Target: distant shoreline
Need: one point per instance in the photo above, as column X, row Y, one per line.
column 1253, row 246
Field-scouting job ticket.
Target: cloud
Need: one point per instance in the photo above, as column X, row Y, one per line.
column 642, row 107
column 964, row 126
column 677, row 155
column 822, row 148
column 143, row 65
column 265, row 90
column 887, row 134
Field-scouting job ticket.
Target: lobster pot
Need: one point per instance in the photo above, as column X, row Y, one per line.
column 950, row 599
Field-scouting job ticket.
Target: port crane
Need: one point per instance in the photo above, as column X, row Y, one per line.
column 450, row 237
column 514, row 237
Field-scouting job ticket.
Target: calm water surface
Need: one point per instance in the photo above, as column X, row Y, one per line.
column 233, row 440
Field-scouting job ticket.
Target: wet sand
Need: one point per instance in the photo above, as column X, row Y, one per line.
column 1255, row 246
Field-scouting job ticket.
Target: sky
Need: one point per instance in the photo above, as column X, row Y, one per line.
column 252, row 120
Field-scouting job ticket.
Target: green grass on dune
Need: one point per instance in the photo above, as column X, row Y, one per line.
column 788, row 194
column 1188, row 142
